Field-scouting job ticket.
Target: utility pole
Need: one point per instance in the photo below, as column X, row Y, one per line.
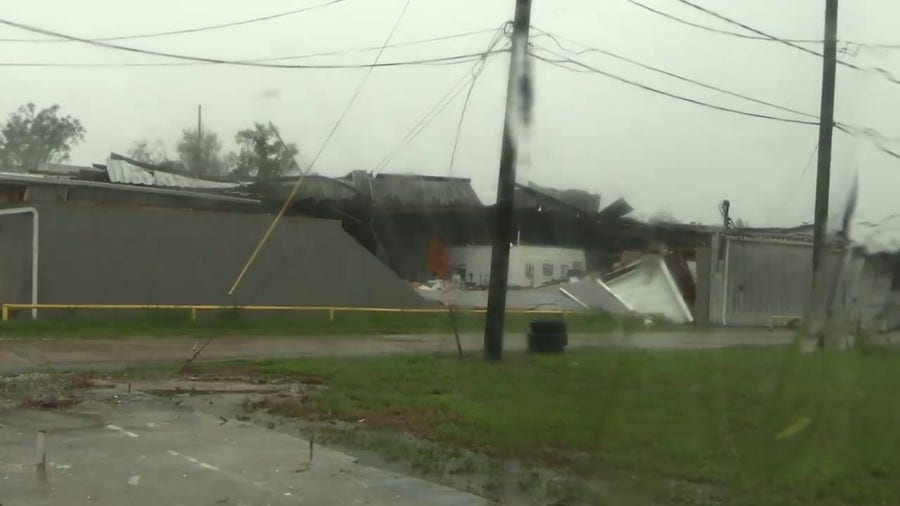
column 506, row 181
column 826, row 130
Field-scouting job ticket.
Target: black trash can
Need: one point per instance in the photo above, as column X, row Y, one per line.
column 548, row 335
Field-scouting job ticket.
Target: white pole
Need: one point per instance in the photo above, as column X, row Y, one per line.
column 725, row 282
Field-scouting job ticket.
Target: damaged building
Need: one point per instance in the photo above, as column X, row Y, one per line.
column 127, row 232
column 73, row 241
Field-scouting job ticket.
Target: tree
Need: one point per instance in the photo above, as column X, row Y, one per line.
column 30, row 138
column 146, row 152
column 263, row 156
column 201, row 154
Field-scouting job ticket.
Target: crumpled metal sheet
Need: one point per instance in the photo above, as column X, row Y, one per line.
column 120, row 171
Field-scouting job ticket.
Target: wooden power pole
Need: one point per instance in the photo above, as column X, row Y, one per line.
column 826, row 131
column 506, row 181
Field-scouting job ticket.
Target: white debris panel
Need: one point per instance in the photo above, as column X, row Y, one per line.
column 647, row 287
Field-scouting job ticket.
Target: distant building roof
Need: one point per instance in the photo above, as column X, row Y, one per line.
column 396, row 192
column 121, row 169
column 79, row 190
column 313, row 188
column 68, row 170
column 532, row 195
column 401, row 191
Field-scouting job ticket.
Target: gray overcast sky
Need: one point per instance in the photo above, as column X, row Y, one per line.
column 668, row 158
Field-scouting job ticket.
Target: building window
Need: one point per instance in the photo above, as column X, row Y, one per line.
column 529, row 271
column 548, row 270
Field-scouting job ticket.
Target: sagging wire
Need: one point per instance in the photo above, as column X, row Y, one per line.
column 500, row 34
column 289, row 200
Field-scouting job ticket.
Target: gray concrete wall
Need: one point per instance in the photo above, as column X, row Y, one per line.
column 15, row 258
column 701, row 304
column 121, row 255
column 763, row 278
column 864, row 300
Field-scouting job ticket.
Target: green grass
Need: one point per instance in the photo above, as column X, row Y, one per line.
column 178, row 323
column 699, row 417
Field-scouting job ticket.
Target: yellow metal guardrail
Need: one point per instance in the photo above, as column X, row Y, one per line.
column 194, row 309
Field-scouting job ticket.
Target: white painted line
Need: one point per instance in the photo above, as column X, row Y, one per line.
column 120, row 429
column 133, row 481
column 194, row 461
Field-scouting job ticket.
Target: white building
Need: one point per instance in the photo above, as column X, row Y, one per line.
column 529, row 266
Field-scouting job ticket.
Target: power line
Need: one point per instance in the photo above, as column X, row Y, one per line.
column 188, row 30
column 455, row 90
column 459, row 125
column 883, row 72
column 752, row 37
column 338, row 52
column 808, row 165
column 443, row 60
column 465, row 107
column 556, row 40
column 875, row 136
column 856, row 131
column 562, row 63
column 444, row 101
column 312, row 164
column 454, row 59
column 715, row 30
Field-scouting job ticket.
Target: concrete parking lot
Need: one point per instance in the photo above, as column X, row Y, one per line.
column 119, row 448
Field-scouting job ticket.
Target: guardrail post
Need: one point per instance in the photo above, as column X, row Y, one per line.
column 193, row 314
column 5, row 313
column 331, row 314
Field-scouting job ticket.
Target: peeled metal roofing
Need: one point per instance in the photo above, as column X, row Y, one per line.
column 10, row 178
column 417, row 191
column 121, row 171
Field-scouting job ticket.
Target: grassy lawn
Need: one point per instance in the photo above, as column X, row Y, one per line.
column 765, row 426
column 172, row 323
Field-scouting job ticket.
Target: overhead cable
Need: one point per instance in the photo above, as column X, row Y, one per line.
column 505, row 30
column 337, row 52
column 556, row 39
column 449, row 59
column 290, row 198
column 444, row 101
column 442, row 60
column 855, row 130
column 565, row 61
column 877, row 138
column 753, row 37
column 879, row 70
column 188, row 30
